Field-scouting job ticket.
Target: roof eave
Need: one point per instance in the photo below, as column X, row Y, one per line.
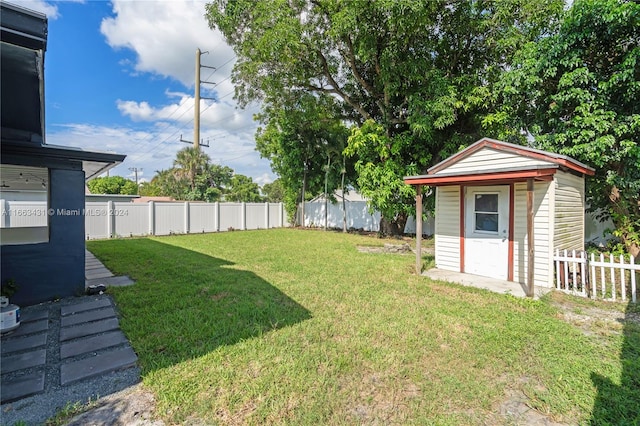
column 503, row 176
column 514, row 149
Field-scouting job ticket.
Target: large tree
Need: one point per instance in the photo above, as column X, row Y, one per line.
column 578, row 93
column 304, row 141
column 417, row 72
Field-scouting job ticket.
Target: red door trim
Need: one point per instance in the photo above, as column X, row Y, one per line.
column 511, row 231
column 462, row 202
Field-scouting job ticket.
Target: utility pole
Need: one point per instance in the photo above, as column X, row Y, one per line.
column 196, row 119
column 196, row 99
column 136, row 170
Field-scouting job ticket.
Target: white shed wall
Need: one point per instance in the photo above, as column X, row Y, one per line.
column 542, row 229
column 447, row 228
column 569, row 212
column 488, row 159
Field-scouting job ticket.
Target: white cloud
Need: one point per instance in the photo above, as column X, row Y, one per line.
column 41, row 6
column 154, row 149
column 165, row 35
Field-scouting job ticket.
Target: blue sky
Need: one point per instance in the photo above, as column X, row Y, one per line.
column 119, row 76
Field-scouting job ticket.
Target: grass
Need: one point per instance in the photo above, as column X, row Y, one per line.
column 297, row 327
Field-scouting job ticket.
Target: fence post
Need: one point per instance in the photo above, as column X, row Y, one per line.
column 281, row 215
column 216, row 223
column 186, row 217
column 266, row 215
column 613, row 278
column 111, row 229
column 152, row 218
column 558, row 266
column 623, row 281
column 604, row 290
column 633, row 280
column 592, row 278
column 243, row 216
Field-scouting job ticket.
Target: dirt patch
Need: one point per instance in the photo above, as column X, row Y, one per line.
column 515, row 410
column 131, row 407
column 593, row 320
column 404, row 248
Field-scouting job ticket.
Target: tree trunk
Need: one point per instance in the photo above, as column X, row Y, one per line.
column 304, row 186
column 344, row 204
column 393, row 228
column 621, row 212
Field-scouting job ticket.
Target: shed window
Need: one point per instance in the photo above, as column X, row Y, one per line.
column 486, row 212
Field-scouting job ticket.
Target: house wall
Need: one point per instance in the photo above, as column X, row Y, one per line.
column 54, row 269
column 488, row 159
column 542, row 229
column 447, row 228
column 569, row 221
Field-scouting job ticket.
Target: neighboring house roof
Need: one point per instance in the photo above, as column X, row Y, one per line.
column 542, row 165
column 147, row 199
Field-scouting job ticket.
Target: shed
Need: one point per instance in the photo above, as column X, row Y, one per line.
column 501, row 207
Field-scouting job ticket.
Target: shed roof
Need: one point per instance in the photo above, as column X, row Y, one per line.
column 542, row 166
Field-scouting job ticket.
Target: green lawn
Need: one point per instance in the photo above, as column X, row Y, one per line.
column 297, row 327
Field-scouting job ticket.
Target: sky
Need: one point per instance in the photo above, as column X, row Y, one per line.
column 119, row 77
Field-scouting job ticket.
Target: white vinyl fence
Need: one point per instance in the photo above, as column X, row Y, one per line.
column 124, row 219
column 358, row 217
column 604, row 277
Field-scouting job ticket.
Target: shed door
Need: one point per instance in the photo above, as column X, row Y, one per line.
column 486, row 249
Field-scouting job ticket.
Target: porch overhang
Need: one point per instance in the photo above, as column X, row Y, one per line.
column 494, row 177
column 93, row 163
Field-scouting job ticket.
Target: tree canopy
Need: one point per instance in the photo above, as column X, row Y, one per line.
column 274, row 191
column 304, row 142
column 112, row 185
column 194, row 178
column 577, row 92
column 411, row 78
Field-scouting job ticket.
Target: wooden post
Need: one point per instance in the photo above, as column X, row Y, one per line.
column 530, row 239
column 418, row 229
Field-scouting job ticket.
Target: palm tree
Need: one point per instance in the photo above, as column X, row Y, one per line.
column 189, row 163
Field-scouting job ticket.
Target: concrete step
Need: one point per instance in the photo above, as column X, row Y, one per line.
column 100, row 364
column 24, row 360
column 87, row 316
column 93, row 343
column 86, row 306
column 21, row 387
column 83, row 330
column 23, row 343
column 30, row 327
column 119, row 281
column 97, row 273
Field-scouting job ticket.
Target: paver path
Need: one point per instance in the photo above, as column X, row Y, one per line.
column 65, row 351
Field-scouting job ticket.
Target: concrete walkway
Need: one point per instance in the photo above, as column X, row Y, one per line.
column 96, row 273
column 491, row 284
column 59, row 345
